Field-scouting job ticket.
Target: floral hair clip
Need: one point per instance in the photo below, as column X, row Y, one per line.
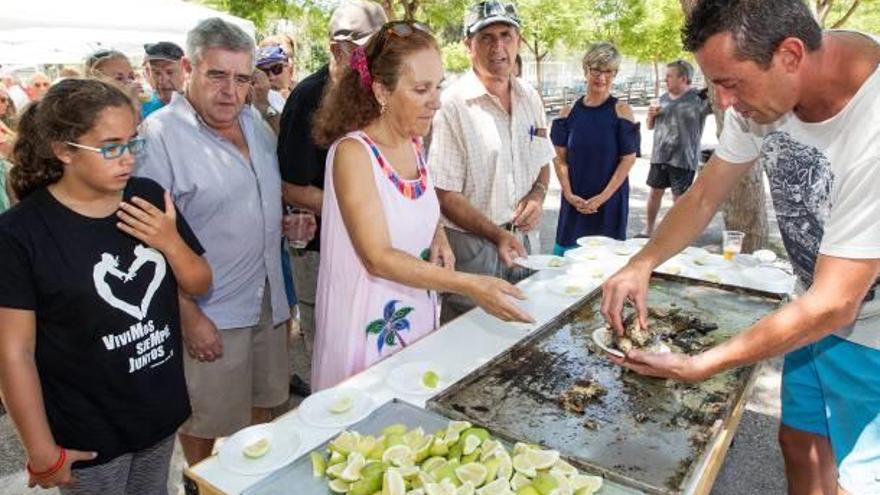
column 359, row 64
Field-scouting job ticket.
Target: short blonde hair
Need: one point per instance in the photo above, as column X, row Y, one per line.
column 602, row 55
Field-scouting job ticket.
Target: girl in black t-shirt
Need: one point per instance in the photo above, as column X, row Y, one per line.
column 91, row 261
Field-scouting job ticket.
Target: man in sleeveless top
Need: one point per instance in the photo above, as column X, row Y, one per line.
column 302, row 162
column 489, row 154
column 803, row 105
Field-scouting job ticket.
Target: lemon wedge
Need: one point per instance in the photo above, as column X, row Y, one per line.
column 430, row 379
column 256, row 449
column 342, row 405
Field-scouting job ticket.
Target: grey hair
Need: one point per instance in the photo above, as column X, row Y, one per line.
column 217, row 33
column 603, row 55
column 684, row 69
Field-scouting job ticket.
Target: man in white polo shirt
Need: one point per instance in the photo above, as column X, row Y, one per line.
column 490, row 154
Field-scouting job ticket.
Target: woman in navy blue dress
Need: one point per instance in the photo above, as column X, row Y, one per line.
column 596, row 142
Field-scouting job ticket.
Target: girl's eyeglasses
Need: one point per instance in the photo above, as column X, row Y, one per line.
column 114, row 150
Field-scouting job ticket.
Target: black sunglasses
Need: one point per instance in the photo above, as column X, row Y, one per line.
column 275, row 69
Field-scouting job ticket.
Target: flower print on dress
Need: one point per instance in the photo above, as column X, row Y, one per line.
column 390, row 327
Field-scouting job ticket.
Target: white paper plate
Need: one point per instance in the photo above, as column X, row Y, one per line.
column 284, row 447
column 407, row 378
column 672, row 268
column 765, row 256
column 624, row 249
column 315, row 409
column 638, row 242
column 595, row 241
column 572, row 287
column 602, row 338
column 541, row 262
column 585, row 253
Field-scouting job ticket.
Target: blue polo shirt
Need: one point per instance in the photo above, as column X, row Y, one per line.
column 233, row 204
column 151, row 106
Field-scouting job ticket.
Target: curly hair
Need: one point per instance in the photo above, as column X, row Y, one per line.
column 67, row 111
column 348, row 105
column 757, row 26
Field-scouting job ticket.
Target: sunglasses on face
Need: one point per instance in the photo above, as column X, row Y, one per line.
column 275, row 69
column 114, row 150
column 41, row 85
column 401, row 29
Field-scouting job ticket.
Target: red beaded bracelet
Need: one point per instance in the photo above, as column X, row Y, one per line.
column 62, row 456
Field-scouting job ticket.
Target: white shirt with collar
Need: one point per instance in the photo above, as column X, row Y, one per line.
column 493, row 158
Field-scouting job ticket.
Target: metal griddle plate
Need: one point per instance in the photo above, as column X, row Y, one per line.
column 650, row 434
column 296, row 478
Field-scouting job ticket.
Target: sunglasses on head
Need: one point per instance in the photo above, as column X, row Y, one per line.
column 401, row 29
column 275, row 69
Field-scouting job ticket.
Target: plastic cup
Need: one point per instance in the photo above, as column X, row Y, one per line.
column 732, row 242
column 298, row 234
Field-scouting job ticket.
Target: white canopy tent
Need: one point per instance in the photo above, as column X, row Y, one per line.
column 67, row 31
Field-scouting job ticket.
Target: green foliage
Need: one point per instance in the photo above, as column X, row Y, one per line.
column 656, row 37
column 455, row 57
column 615, row 20
column 310, row 20
column 551, row 23
column 865, row 18
column 260, row 12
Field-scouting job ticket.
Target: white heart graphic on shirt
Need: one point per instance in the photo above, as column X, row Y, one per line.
column 109, row 264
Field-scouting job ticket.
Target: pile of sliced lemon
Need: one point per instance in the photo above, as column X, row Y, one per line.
column 460, row 460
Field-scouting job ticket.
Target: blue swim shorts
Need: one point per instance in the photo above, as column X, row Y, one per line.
column 832, row 388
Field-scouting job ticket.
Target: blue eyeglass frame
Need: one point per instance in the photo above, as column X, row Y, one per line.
column 114, row 150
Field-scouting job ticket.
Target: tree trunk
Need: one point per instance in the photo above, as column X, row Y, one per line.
column 746, row 207
column 539, row 73
column 656, row 78
column 410, row 9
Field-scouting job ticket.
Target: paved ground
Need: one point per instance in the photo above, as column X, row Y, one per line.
column 753, row 465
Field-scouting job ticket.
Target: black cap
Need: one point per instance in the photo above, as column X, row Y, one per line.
column 163, row 50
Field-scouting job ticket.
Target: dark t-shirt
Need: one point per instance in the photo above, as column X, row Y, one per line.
column 678, row 129
column 108, row 344
column 302, row 162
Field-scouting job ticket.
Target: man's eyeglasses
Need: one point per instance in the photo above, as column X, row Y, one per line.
column 401, row 29
column 219, row 77
column 596, row 72
column 114, row 150
column 275, row 69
